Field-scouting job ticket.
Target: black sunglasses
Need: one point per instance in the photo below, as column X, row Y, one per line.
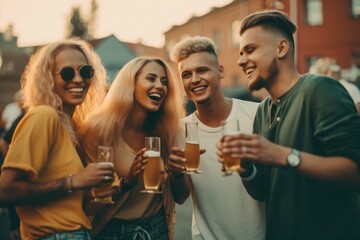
column 67, row 73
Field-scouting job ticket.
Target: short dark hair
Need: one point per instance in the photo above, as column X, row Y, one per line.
column 270, row 19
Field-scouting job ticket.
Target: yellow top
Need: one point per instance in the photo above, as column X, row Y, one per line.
column 42, row 147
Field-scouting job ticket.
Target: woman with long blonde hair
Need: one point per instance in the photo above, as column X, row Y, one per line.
column 144, row 100
column 42, row 171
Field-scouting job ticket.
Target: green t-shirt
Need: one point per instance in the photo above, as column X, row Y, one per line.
column 316, row 116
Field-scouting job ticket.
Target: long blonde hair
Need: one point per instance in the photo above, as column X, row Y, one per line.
column 107, row 125
column 37, row 83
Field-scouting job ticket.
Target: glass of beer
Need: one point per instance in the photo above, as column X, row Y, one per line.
column 152, row 171
column 192, row 148
column 105, row 156
column 231, row 165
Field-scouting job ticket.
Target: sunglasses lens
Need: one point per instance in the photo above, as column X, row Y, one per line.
column 67, row 73
column 86, row 72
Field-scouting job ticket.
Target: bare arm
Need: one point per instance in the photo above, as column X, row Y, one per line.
column 254, row 185
column 4, row 147
column 17, row 189
column 180, row 183
column 180, row 187
column 339, row 170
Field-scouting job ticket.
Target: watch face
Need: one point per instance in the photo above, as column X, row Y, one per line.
column 293, row 159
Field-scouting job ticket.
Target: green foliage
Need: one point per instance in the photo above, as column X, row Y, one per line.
column 78, row 27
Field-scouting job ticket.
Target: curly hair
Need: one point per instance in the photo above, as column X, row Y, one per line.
column 38, row 86
column 191, row 45
column 113, row 116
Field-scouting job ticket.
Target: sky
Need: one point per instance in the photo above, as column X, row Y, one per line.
column 42, row 21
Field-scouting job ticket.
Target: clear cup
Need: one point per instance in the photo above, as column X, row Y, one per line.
column 105, row 156
column 192, row 148
column 231, row 165
column 152, row 171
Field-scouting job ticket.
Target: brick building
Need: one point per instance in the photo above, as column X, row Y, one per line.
column 325, row 28
column 12, row 63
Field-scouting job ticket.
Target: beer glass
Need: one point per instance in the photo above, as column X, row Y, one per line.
column 192, row 148
column 231, row 165
column 152, row 171
column 105, row 156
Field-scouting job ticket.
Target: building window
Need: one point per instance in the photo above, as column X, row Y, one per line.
column 235, row 31
column 355, row 8
column 314, row 12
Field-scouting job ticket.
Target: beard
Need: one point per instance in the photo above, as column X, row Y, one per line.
column 263, row 82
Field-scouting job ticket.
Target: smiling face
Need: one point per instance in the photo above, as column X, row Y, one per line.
column 258, row 57
column 201, row 74
column 73, row 92
column 151, row 87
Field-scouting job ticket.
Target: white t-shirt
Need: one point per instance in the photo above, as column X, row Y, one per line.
column 352, row 90
column 222, row 208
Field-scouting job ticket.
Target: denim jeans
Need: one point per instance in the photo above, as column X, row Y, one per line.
column 154, row 228
column 75, row 235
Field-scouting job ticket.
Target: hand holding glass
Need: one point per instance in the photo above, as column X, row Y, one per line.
column 231, row 164
column 105, row 156
column 192, row 148
column 152, row 171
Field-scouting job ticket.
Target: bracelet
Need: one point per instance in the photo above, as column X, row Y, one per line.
column 252, row 175
column 69, row 182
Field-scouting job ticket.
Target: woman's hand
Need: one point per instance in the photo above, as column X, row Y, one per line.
column 95, row 174
column 137, row 167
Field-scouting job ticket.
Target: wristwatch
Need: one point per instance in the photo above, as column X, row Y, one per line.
column 124, row 186
column 293, row 159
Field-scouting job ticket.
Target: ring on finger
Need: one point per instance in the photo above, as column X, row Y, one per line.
column 244, row 149
column 107, row 178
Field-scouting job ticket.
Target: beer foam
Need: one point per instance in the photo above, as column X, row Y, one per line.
column 106, row 163
column 152, row 154
column 192, row 142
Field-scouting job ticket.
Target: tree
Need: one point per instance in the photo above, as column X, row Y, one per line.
column 78, row 27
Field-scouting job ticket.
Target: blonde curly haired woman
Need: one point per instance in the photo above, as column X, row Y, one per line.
column 42, row 173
